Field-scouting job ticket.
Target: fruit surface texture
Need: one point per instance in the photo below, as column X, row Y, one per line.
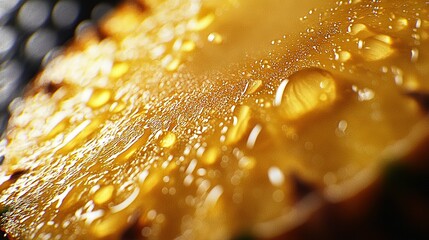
column 215, row 119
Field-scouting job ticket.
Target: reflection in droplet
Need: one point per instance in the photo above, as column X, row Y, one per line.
column 307, row 90
column 377, row 48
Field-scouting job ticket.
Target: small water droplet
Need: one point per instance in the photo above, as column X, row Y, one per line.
column 173, row 65
column 168, row 140
column 210, row 156
column 104, row 194
column 198, row 24
column 132, row 146
column 79, row 134
column 365, row 94
column 414, row 55
column 253, row 86
column 117, row 107
column 253, row 136
column 343, row 56
column 57, row 124
column 215, row 38
column 118, row 70
column 188, row 46
column 418, row 23
column 247, row 162
column 276, row 176
column 99, row 98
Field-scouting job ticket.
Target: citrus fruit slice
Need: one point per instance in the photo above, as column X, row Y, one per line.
column 215, row 119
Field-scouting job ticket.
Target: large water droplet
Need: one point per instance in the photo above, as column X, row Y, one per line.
column 306, row 90
column 237, row 131
column 377, row 48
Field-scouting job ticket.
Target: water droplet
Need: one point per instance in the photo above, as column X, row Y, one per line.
column 276, row 177
column 343, row 56
column 210, row 155
column 133, row 145
column 99, row 97
column 358, row 29
column 188, row 46
column 119, row 70
column 108, row 226
column 341, row 128
column 247, row 163
column 365, row 94
column 253, row 136
column 202, row 22
column 57, row 124
column 173, row 65
column 213, row 196
column 215, row 38
column 104, row 194
column 414, row 55
column 117, row 107
column 400, row 24
column 377, row 48
column 79, row 134
column 236, row 132
column 253, row 86
column 307, row 90
column 418, row 23
column 168, row 140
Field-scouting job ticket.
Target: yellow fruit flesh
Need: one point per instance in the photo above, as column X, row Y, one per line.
column 193, row 119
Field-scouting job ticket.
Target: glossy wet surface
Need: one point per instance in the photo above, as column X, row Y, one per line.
column 197, row 120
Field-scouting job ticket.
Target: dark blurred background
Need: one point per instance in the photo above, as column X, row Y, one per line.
column 32, row 32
